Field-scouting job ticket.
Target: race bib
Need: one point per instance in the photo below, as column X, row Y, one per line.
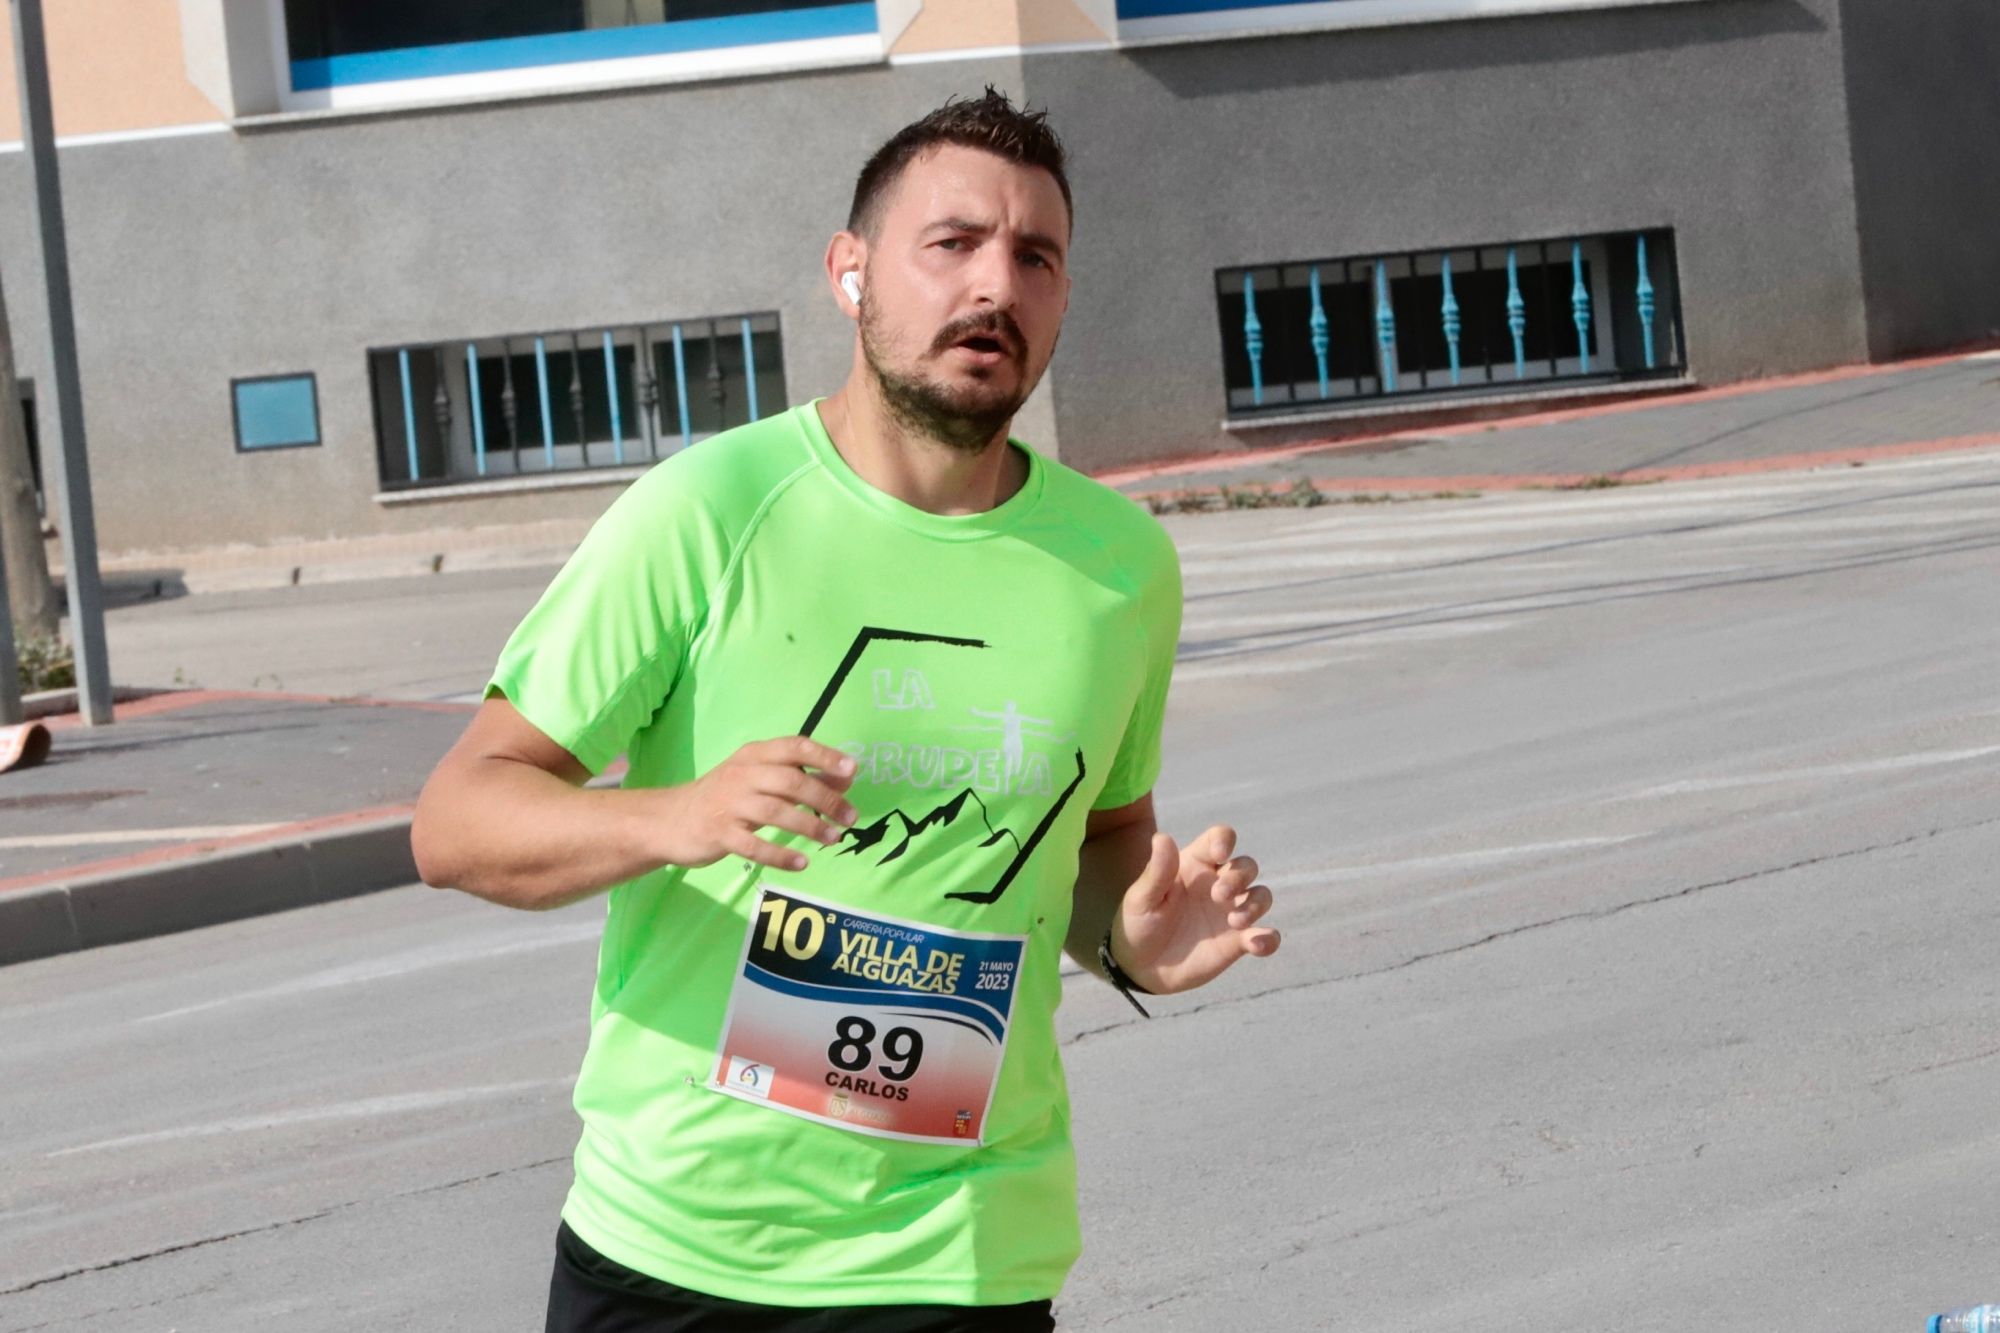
column 868, row 1023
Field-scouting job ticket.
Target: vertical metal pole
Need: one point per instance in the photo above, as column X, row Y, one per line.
column 1253, row 339
column 750, row 367
column 1517, row 314
column 510, row 409
column 1385, row 327
column 79, row 518
column 649, row 391
column 1579, row 303
column 681, row 387
column 478, row 425
column 542, row 384
column 1322, row 342
column 576, row 397
column 1552, row 306
column 1452, row 322
column 611, row 388
column 1646, row 302
column 409, row 411
column 716, row 392
column 11, row 713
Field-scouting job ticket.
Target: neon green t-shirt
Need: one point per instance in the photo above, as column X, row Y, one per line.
column 842, row 1086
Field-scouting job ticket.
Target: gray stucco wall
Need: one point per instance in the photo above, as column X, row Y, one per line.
column 1923, row 85
column 1725, row 120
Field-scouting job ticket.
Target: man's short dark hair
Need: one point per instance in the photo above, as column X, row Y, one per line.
column 989, row 123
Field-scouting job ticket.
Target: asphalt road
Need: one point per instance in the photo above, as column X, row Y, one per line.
column 1635, row 851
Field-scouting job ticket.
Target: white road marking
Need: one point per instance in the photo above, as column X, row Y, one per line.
column 1717, row 499
column 1484, row 856
column 107, row 837
column 1204, row 670
column 1281, row 625
column 403, row 1103
column 1533, row 537
column 1208, row 796
column 1859, row 768
column 414, row 960
column 1196, row 626
column 1343, row 557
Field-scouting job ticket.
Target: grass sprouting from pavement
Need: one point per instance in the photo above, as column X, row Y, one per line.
column 1300, row 494
column 1603, row 481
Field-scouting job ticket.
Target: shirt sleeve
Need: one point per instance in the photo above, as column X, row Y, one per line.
column 600, row 652
column 1137, row 766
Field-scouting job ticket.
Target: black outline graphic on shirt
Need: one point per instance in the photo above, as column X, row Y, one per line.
column 870, row 634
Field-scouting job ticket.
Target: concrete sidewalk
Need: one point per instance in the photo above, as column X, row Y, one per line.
column 205, row 806
column 200, row 806
column 1835, row 418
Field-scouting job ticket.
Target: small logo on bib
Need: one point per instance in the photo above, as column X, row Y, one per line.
column 751, row 1077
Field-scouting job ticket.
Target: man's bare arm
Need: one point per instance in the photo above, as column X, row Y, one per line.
column 1116, row 846
column 505, row 815
column 1178, row 918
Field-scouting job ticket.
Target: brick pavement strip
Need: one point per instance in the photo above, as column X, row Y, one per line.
column 139, row 897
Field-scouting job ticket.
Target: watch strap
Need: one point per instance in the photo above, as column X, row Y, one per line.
column 1117, row 976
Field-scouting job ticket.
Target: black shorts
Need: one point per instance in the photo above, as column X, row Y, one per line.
column 591, row 1294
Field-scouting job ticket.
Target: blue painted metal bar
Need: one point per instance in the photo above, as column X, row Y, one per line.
column 750, row 367
column 548, row 418
column 1253, row 341
column 1579, row 304
column 1385, row 328
column 1517, row 315
column 681, row 388
column 611, row 387
column 1646, row 304
column 478, row 421
column 409, row 412
column 1321, row 342
column 1451, row 320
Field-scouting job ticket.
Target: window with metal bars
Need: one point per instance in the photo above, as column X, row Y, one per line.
column 524, row 404
column 1326, row 333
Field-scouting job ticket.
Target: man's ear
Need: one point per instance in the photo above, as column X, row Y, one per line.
column 846, row 266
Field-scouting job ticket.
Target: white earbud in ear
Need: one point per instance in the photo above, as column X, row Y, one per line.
column 850, row 282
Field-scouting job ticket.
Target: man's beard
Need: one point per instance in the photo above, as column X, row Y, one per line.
column 966, row 418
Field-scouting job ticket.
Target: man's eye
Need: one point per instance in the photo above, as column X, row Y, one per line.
column 952, row 243
column 1036, row 257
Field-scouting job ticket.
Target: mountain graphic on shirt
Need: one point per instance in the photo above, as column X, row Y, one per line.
column 899, row 830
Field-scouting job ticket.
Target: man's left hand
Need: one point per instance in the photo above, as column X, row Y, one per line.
column 1191, row 914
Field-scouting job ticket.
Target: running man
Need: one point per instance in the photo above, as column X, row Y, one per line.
column 890, row 687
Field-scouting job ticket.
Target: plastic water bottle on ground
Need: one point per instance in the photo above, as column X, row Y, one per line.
column 1978, row 1319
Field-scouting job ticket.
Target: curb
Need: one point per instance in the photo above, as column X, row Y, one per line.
column 206, row 889
column 1421, row 486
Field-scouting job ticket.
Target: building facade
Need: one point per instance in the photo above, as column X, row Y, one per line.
column 347, row 268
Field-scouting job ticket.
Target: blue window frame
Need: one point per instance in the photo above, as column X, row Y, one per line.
column 341, row 43
column 275, row 411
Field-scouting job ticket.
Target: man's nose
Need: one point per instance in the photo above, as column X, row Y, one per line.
column 996, row 279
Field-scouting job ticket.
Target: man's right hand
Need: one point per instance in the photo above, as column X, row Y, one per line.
column 794, row 783
column 507, row 816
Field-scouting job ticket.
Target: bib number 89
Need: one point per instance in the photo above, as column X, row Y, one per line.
column 854, row 1048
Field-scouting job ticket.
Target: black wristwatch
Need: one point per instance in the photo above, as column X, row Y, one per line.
column 1116, row 975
